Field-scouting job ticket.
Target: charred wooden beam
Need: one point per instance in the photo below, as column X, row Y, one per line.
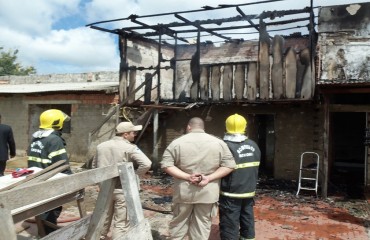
column 248, row 20
column 274, row 14
column 198, row 26
column 201, row 22
column 104, row 29
column 221, row 6
column 161, row 30
column 132, row 68
column 249, row 26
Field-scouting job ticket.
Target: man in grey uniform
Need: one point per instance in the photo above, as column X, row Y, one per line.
column 117, row 150
column 197, row 161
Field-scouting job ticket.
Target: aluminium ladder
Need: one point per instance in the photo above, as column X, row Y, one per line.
column 309, row 171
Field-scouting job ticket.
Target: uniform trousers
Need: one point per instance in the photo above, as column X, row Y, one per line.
column 2, row 167
column 193, row 220
column 117, row 213
column 236, row 218
column 52, row 217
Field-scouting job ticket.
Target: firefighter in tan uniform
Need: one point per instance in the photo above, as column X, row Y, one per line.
column 117, row 150
column 197, row 161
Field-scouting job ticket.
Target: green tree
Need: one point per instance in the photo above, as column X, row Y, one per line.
column 10, row 66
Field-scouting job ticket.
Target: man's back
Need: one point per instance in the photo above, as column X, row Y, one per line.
column 197, row 152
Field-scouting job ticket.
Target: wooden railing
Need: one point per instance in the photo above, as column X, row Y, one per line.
column 56, row 192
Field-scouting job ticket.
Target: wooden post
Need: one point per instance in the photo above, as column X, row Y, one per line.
column 130, row 190
column 101, row 209
column 155, row 139
column 122, row 45
column 325, row 163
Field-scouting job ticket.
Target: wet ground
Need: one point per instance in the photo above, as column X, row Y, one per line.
column 279, row 214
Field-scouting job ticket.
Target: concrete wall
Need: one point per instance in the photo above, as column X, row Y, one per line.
column 87, row 111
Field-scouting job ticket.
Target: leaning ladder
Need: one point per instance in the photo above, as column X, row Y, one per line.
column 309, row 171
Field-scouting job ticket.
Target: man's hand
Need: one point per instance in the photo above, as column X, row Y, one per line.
column 199, row 179
column 195, row 178
column 204, row 181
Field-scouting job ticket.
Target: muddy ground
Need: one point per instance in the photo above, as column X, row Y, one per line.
column 279, row 213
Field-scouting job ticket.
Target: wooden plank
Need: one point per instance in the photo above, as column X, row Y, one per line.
column 215, row 84
column 252, row 81
column 300, row 73
column 277, row 67
column 16, row 198
column 264, row 62
column 148, row 88
column 141, row 231
column 227, row 82
column 43, row 207
column 7, row 228
column 290, row 73
column 239, row 81
column 44, row 176
column 306, row 91
column 131, row 192
column 195, row 74
column 101, row 209
column 131, row 87
column 122, row 69
column 32, row 176
column 73, row 231
column 203, row 83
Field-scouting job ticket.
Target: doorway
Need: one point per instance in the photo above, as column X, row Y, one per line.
column 261, row 129
column 347, row 170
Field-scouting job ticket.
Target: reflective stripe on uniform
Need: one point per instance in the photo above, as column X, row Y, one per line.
column 238, row 195
column 36, row 159
column 56, row 153
column 248, row 164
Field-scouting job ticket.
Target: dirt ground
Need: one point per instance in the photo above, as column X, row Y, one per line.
column 279, row 214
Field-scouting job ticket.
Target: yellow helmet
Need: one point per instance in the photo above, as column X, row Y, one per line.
column 235, row 124
column 53, row 119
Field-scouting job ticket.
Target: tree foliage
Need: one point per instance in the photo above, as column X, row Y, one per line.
column 10, row 66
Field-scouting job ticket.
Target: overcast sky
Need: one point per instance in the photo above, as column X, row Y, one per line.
column 51, row 34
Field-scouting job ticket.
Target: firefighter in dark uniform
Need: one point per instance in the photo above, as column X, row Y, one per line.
column 48, row 147
column 238, row 188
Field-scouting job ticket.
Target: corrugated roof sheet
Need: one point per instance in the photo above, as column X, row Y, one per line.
column 59, row 87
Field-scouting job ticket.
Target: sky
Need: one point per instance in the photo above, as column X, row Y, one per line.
column 51, row 35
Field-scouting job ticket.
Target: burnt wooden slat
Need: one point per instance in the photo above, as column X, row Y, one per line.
column 227, row 82
column 195, row 74
column 277, row 67
column 252, row 81
column 239, row 80
column 203, row 82
column 300, row 72
column 290, row 73
column 215, row 83
column 264, row 62
column 306, row 91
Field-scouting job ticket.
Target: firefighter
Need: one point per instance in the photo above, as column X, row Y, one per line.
column 48, row 147
column 238, row 188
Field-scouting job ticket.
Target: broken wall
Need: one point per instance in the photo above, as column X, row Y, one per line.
column 344, row 40
column 228, row 71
